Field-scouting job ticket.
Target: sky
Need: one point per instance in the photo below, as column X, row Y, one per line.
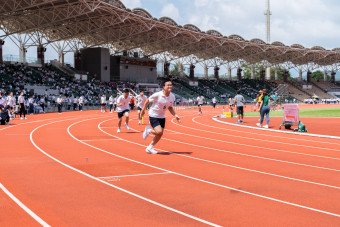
column 306, row 22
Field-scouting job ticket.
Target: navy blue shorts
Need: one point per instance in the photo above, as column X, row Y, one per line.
column 239, row 110
column 157, row 122
column 121, row 114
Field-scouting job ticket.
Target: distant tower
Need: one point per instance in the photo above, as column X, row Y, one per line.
column 268, row 13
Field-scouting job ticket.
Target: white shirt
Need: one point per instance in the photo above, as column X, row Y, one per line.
column 123, row 103
column 239, row 99
column 141, row 100
column 59, row 100
column 2, row 101
column 160, row 103
column 103, row 100
column 111, row 100
column 214, row 100
column 10, row 101
column 30, row 100
column 21, row 99
column 200, row 100
column 81, row 100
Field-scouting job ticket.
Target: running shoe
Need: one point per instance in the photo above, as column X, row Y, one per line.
column 118, row 130
column 150, row 150
column 258, row 124
column 127, row 126
column 146, row 132
column 265, row 126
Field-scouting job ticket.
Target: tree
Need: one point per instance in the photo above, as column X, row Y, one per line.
column 317, row 75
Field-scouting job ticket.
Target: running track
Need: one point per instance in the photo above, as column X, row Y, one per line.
column 73, row 169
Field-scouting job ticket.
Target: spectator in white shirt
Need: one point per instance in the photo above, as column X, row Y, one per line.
column 60, row 103
column 81, row 102
column 103, row 104
column 161, row 101
column 21, row 101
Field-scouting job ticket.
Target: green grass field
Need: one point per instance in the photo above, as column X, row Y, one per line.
column 321, row 112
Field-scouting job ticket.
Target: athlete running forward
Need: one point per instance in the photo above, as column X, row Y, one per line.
column 161, row 101
column 123, row 109
column 141, row 99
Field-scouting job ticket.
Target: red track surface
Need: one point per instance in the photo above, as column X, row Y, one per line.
column 73, row 169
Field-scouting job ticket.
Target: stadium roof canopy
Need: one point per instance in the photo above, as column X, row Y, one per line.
column 99, row 22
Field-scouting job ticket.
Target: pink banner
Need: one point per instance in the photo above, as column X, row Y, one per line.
column 291, row 112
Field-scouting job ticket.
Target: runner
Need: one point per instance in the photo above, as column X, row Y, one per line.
column 103, row 104
column 141, row 99
column 200, row 100
column 123, row 109
column 161, row 101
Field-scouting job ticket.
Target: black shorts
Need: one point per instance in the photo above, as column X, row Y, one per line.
column 199, row 105
column 138, row 108
column 239, row 110
column 103, row 104
column 121, row 114
column 157, row 121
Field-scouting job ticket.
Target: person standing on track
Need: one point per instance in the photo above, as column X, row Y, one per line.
column 214, row 101
column 231, row 104
column 103, row 104
column 141, row 99
column 200, row 100
column 81, row 103
column 22, row 110
column 111, row 101
column 239, row 101
column 60, row 103
column 264, row 109
column 161, row 101
column 123, row 109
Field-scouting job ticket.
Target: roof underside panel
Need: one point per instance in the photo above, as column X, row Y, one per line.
column 100, row 22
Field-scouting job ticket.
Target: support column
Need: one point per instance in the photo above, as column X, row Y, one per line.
column 229, row 73
column 166, row 69
column 2, row 42
column 61, row 57
column 22, row 53
column 192, row 71
column 325, row 76
column 268, row 73
column 216, row 72
column 276, row 74
column 181, row 69
column 252, row 72
column 77, row 60
column 239, row 73
column 300, row 75
column 333, row 77
column 41, row 54
column 206, row 71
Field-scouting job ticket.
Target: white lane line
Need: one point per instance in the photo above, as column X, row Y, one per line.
column 273, row 136
column 133, row 175
column 251, row 170
column 106, row 183
column 250, row 138
column 279, row 131
column 94, row 140
column 253, row 156
column 198, row 179
column 247, row 145
column 31, row 122
column 23, row 206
